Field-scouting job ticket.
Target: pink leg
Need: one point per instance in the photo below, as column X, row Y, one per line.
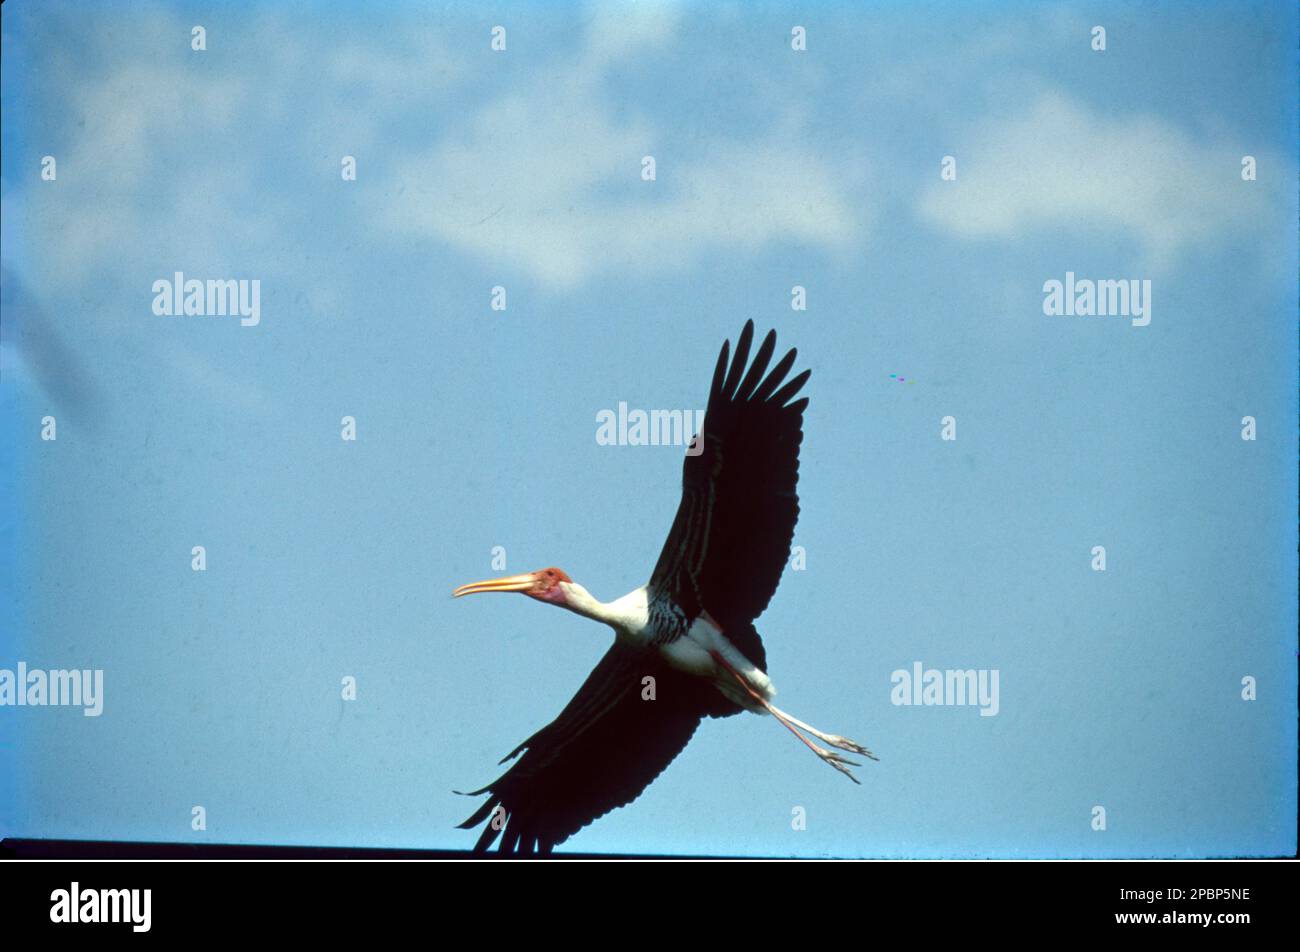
column 834, row 759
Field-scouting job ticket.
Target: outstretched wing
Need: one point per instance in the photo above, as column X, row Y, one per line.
column 609, row 743
column 731, row 537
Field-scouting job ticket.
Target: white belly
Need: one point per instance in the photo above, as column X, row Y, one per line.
column 693, row 653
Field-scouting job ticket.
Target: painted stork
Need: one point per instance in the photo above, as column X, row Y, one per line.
column 690, row 628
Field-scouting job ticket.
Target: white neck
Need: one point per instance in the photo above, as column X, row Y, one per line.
column 629, row 613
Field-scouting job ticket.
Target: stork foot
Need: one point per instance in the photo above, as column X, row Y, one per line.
column 838, row 762
column 793, row 725
column 835, row 740
column 852, row 746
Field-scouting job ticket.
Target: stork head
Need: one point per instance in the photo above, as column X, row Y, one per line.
column 545, row 585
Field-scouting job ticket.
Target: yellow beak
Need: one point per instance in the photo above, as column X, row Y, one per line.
column 511, row 583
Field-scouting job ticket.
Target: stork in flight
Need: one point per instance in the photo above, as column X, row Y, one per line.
column 691, row 628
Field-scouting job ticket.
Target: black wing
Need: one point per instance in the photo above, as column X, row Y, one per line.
column 608, row 744
column 731, row 537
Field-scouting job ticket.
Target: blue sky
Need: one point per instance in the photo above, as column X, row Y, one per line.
column 476, row 428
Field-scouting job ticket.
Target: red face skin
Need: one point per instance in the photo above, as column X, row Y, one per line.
column 543, row 585
column 547, row 587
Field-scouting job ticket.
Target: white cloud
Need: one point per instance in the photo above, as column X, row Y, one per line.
column 162, row 162
column 1061, row 165
column 165, row 164
column 169, row 168
column 618, row 30
column 547, row 178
